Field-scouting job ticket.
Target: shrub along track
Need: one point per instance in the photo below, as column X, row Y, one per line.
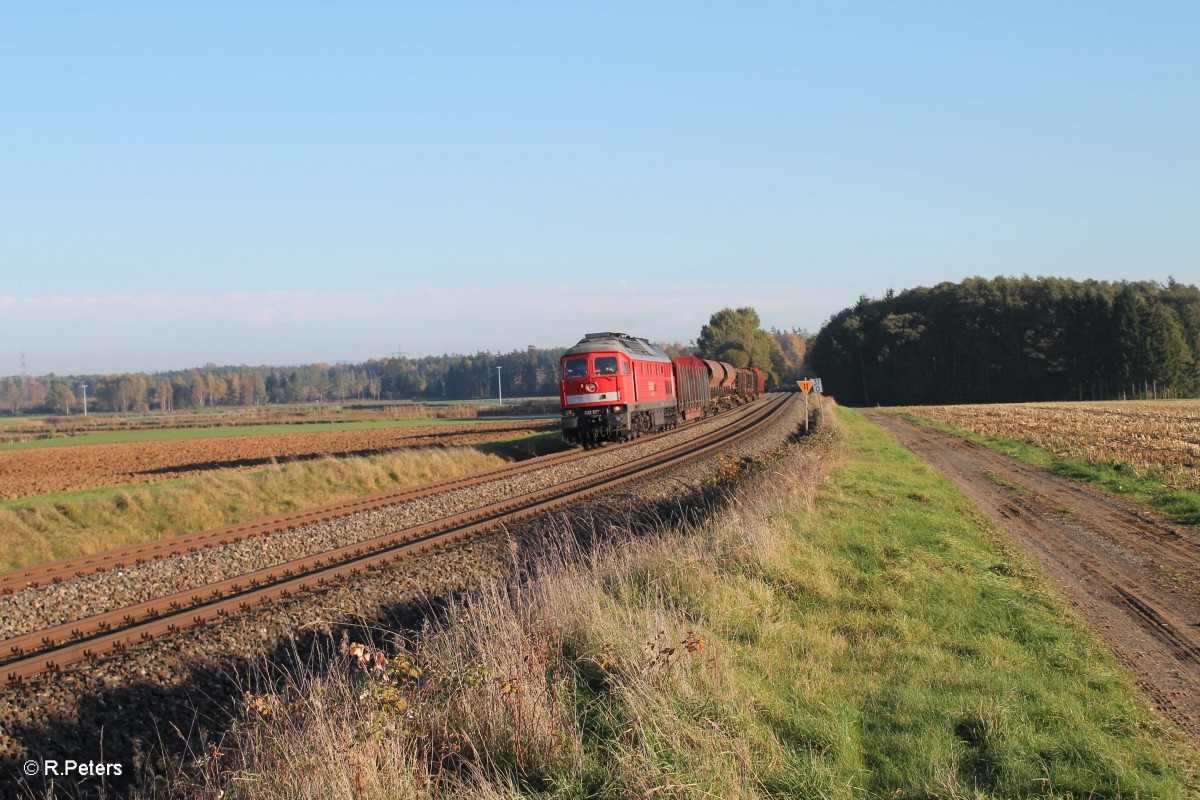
column 1132, row 575
column 52, row 648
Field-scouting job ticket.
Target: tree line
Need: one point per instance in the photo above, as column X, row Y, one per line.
column 532, row 372
column 1014, row 340
column 731, row 335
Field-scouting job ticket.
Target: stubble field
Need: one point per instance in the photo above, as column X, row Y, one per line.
column 1146, row 437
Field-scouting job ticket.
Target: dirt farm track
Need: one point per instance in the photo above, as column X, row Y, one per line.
column 1133, row 576
column 58, row 469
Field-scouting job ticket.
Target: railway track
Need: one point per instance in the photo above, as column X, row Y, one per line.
column 120, row 558
column 94, row 637
column 57, row 571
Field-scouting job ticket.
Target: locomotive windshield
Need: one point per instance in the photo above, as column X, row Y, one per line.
column 575, row 368
column 606, row 365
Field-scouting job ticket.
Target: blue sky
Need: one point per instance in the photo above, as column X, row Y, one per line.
column 300, row 182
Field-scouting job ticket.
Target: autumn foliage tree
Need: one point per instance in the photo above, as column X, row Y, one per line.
column 735, row 336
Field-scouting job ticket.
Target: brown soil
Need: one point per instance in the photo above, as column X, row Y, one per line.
column 1132, row 575
column 57, row 469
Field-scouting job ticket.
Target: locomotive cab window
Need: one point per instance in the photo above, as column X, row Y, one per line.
column 606, row 365
column 624, row 367
column 575, row 368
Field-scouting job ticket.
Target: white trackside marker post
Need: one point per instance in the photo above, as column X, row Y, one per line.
column 806, row 387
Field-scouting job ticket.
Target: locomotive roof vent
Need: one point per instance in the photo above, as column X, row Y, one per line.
column 607, row 340
column 606, row 335
column 631, row 342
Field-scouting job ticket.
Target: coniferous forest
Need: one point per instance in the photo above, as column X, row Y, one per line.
column 1014, row 340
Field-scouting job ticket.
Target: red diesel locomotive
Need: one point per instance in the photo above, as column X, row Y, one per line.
column 616, row 387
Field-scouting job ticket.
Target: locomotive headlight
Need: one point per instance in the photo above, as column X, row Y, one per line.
column 568, row 412
column 591, row 387
column 618, row 409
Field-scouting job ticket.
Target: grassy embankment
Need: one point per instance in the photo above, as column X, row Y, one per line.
column 871, row 638
column 175, row 434
column 55, row 526
column 1152, row 489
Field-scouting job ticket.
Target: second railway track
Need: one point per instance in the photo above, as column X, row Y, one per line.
column 94, row 637
column 57, row 571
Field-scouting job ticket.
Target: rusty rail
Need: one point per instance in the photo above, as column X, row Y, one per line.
column 132, row 555
column 57, row 571
column 51, row 649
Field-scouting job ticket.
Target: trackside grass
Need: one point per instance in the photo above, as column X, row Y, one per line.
column 1152, row 488
column 56, row 526
column 175, row 434
column 847, row 628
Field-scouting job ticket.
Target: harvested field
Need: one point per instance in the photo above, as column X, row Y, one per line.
column 1146, row 435
column 24, row 473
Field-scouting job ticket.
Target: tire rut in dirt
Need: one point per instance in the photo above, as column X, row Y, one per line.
column 1134, row 577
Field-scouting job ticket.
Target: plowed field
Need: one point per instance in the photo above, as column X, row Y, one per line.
column 31, row 472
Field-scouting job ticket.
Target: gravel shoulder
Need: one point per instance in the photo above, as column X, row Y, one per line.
column 1132, row 575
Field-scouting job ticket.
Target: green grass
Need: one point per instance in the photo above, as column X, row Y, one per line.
column 172, row 434
column 1149, row 489
column 874, row 638
column 929, row 659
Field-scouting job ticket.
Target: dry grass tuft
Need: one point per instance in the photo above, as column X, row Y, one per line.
column 42, row 529
column 863, row 648
column 607, row 674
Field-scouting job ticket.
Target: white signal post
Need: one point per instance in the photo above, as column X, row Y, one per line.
column 808, row 385
column 499, row 386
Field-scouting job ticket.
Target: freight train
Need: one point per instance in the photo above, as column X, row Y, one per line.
column 616, row 387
